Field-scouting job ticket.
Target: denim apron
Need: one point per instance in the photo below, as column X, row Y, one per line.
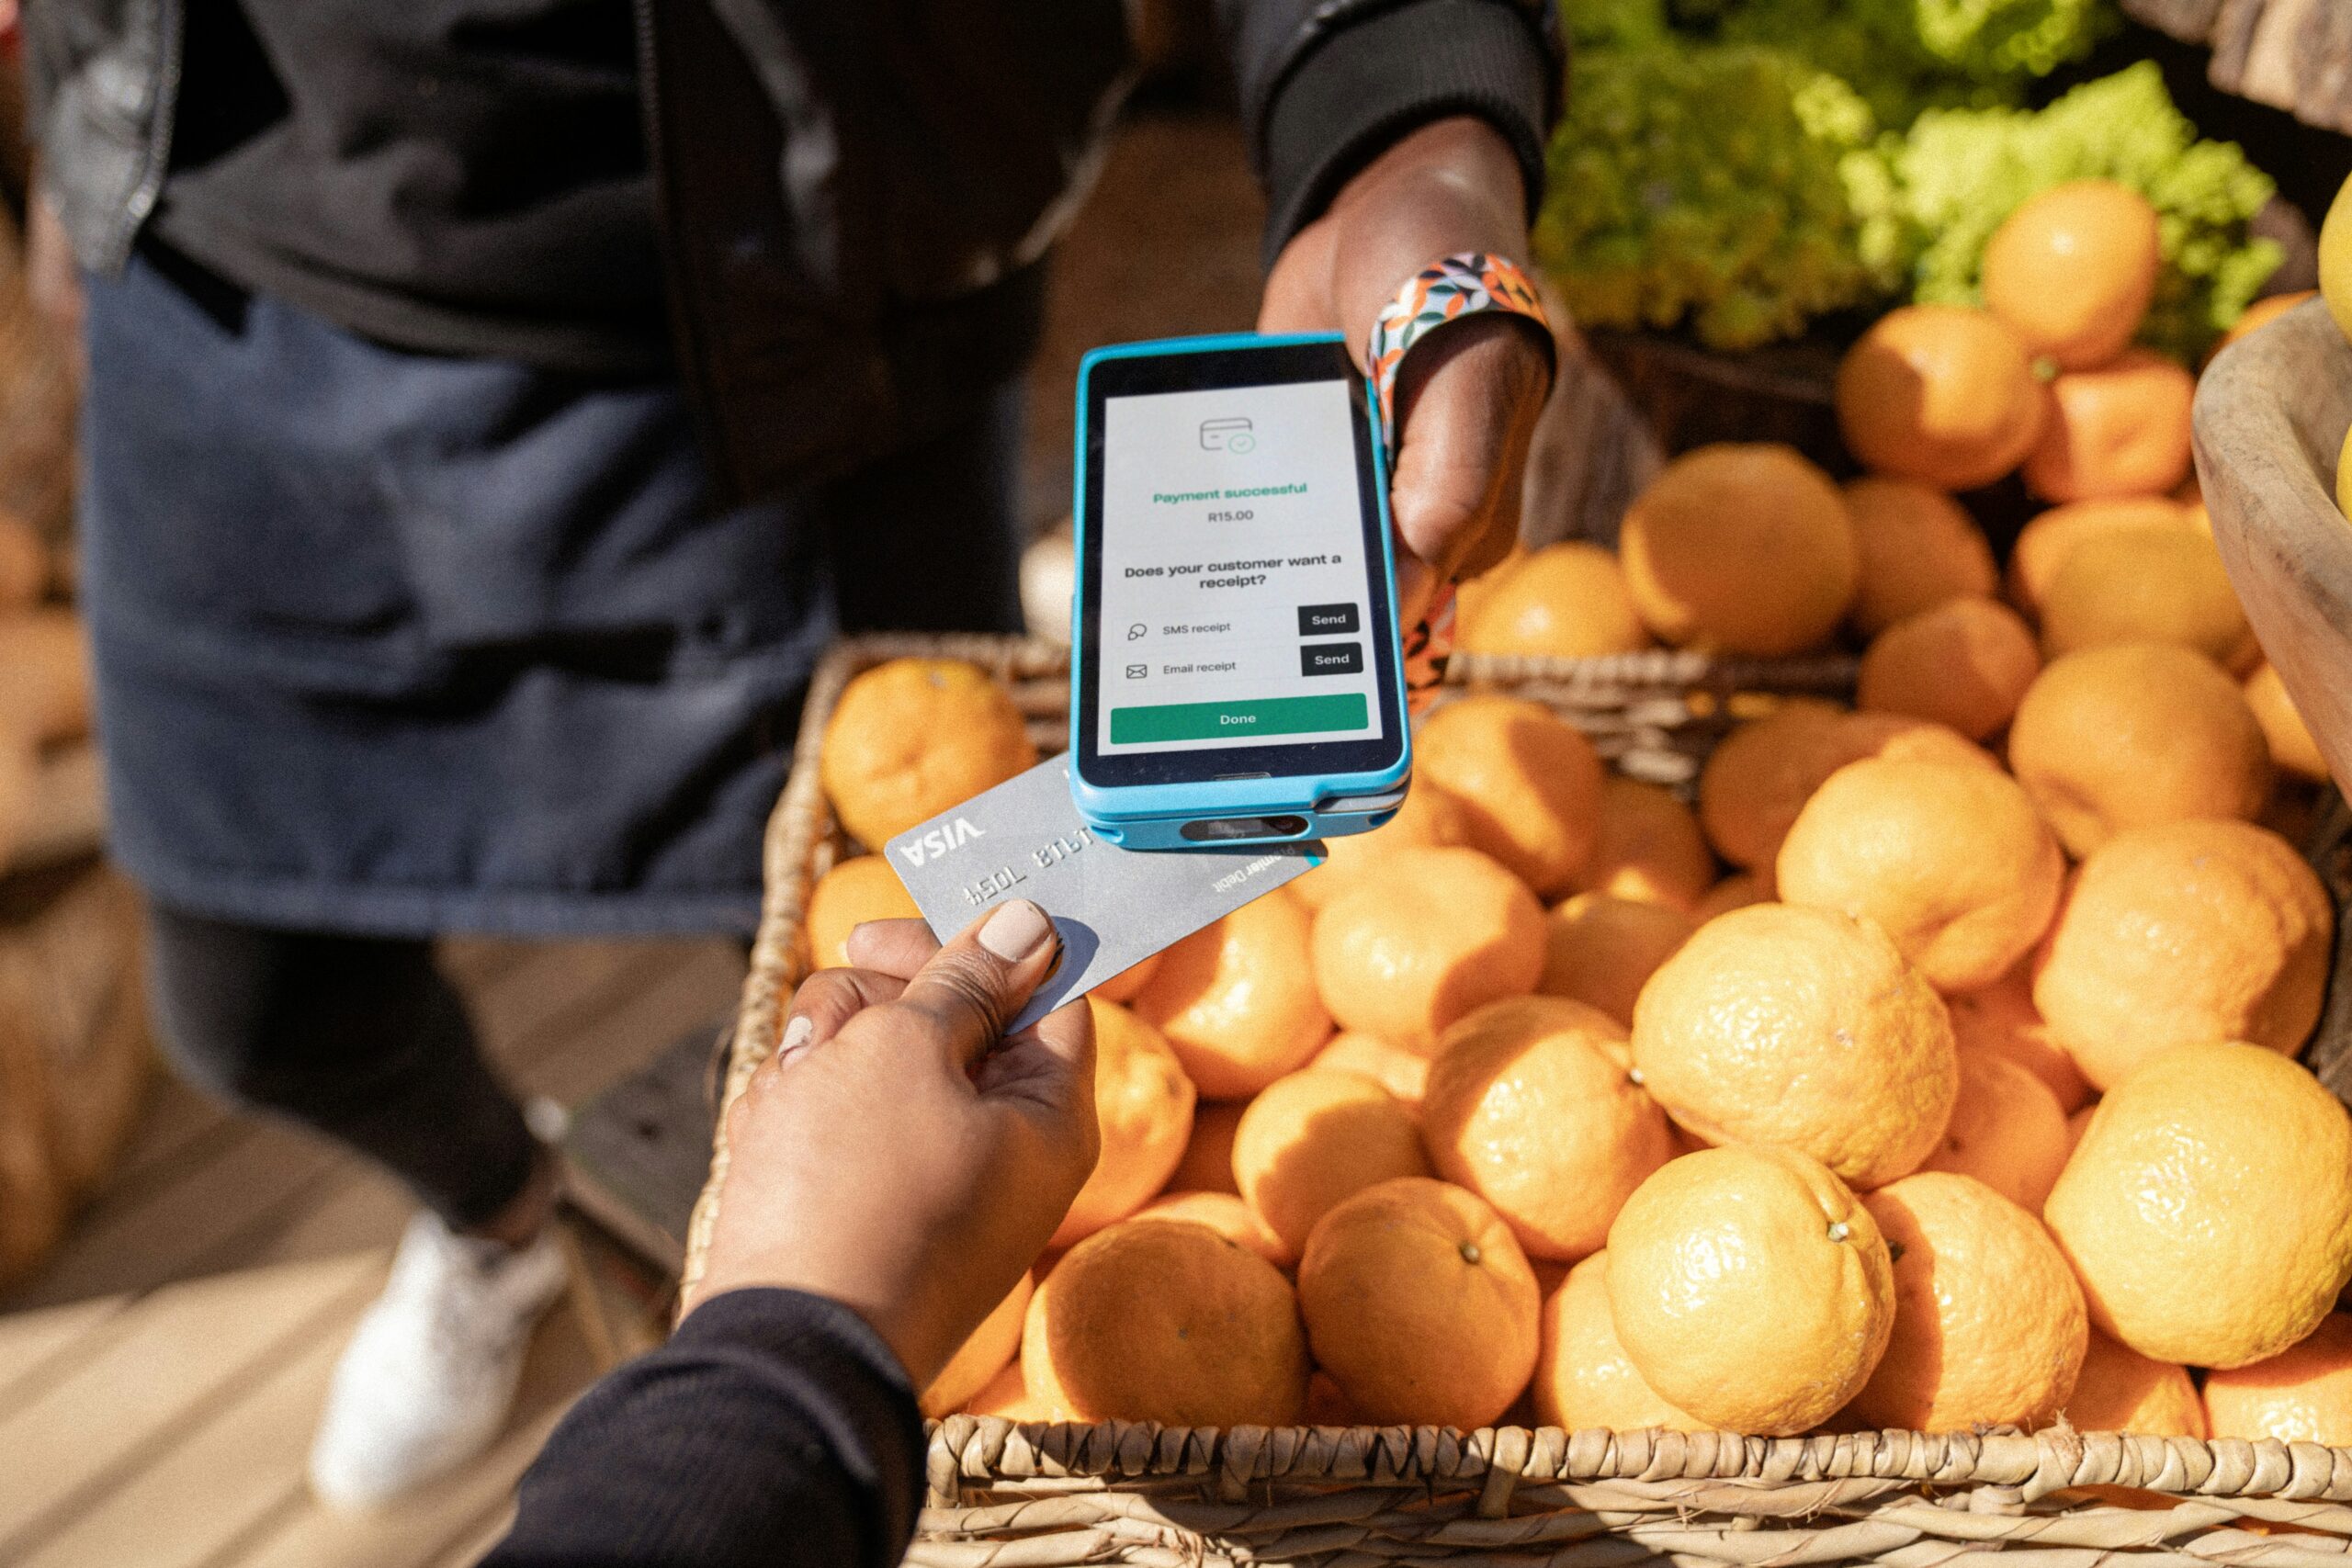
column 395, row 644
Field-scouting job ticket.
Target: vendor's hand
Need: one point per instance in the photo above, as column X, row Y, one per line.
column 899, row 1153
column 1466, row 402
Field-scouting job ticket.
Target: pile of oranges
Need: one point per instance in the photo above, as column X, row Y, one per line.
column 1964, row 1096
column 1934, row 1070
column 1752, row 550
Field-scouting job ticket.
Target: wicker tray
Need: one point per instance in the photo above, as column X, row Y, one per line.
column 1043, row 1496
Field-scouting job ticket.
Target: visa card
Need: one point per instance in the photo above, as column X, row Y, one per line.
column 1114, row 908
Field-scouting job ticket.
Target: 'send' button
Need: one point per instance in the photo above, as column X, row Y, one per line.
column 1327, row 620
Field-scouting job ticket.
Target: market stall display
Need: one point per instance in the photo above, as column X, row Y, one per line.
column 1530, row 1199
column 1835, row 1105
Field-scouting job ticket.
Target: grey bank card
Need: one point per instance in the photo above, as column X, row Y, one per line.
column 1114, row 908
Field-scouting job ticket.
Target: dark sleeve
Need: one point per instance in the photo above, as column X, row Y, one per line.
column 775, row 1428
column 1327, row 84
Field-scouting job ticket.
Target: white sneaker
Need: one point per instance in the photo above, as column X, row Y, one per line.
column 426, row 1382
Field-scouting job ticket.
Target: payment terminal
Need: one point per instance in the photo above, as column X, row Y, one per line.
column 1236, row 676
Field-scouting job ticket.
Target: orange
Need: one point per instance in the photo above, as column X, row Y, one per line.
column 1648, row 847
column 2121, row 429
column 1566, row 601
column 1966, row 663
column 2208, row 1210
column 2344, row 476
column 1741, row 549
column 1431, row 818
column 990, row 1350
column 1940, row 394
column 1528, row 782
column 2133, row 734
column 2303, row 1394
column 854, row 891
column 2261, row 313
column 24, row 564
column 1583, row 1378
column 1207, row 1163
column 1007, row 1398
column 1600, row 951
column 1228, row 1216
column 2156, row 583
column 1315, row 1138
column 1473, row 591
column 1900, row 738
column 1326, row 1406
column 1762, row 774
column 1775, row 1024
column 2008, row 1131
column 1403, row 1073
column 1124, row 985
column 1420, row 1305
column 1143, row 1104
column 2001, row 1021
column 2076, row 1125
column 1750, row 1288
column 2290, row 739
column 2335, row 258
column 1532, row 1107
column 2044, row 544
column 1236, row 1000
column 2073, row 268
column 1950, row 859
column 44, row 676
column 1989, row 1324
column 1737, row 891
column 2182, row 934
column 1165, row 1322
column 911, row 737
column 1919, row 548
column 1450, row 931
column 2123, row 1391
column 1758, row 777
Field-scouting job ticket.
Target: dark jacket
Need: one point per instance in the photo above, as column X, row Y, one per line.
column 854, row 197
column 774, row 1430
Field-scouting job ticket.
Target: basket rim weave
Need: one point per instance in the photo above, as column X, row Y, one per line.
column 971, row 1451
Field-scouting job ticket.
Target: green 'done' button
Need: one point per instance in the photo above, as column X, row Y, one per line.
column 1239, row 721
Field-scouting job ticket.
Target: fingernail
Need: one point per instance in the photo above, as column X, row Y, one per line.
column 795, row 1038
column 1017, row 931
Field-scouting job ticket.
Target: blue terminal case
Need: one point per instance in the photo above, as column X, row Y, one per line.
column 1226, row 813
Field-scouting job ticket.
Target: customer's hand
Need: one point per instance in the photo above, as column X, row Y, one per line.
column 1466, row 403
column 900, row 1154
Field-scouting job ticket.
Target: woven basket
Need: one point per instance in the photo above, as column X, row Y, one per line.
column 1042, row 1495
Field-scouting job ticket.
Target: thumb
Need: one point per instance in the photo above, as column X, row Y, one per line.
column 972, row 988
column 1466, row 407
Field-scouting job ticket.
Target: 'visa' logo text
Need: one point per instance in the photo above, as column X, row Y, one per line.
column 940, row 840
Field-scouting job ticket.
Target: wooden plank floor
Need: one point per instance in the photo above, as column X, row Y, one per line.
column 159, row 1380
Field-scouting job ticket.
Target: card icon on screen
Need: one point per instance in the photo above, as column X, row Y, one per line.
column 1232, row 435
